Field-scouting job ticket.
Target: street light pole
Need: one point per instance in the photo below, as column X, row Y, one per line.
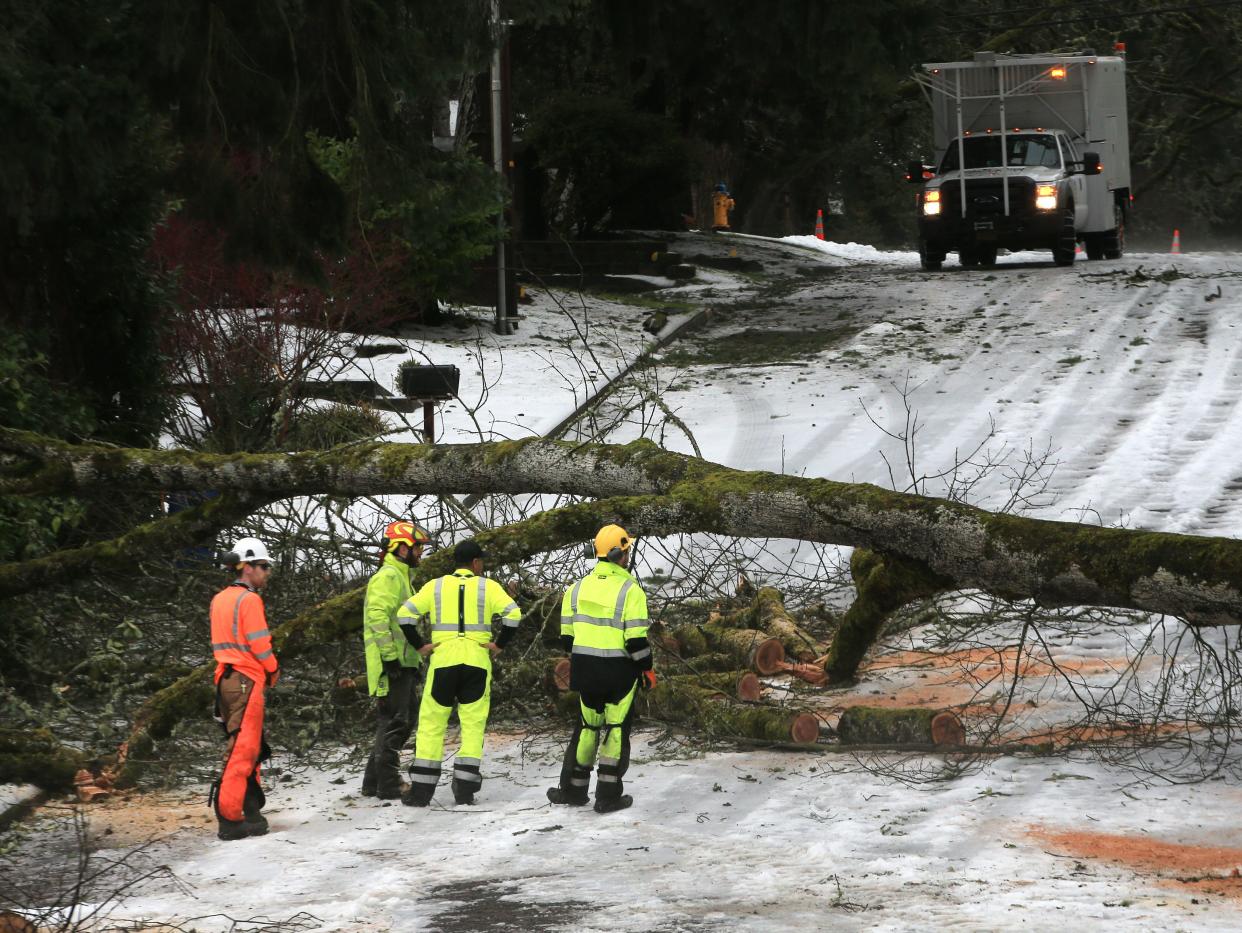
column 498, row 161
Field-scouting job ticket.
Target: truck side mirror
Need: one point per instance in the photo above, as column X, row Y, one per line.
column 916, row 173
column 1091, row 163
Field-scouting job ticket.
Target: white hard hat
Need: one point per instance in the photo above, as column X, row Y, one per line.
column 249, row 550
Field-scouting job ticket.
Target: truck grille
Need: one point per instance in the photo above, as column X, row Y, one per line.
column 985, row 197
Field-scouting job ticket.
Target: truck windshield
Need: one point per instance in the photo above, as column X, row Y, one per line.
column 985, row 152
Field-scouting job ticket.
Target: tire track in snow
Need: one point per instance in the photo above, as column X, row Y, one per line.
column 1138, row 471
column 1202, row 490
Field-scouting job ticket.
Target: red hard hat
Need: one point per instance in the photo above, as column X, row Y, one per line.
column 404, row 532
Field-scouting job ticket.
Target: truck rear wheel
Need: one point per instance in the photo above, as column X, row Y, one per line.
column 1067, row 243
column 1113, row 243
column 930, row 258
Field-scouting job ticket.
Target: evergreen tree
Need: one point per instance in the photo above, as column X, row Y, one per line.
column 118, row 114
column 773, row 99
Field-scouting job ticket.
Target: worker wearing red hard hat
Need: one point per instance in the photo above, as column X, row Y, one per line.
column 392, row 661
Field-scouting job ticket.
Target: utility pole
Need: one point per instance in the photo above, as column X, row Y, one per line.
column 500, row 147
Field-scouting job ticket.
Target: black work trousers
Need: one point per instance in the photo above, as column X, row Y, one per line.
column 395, row 716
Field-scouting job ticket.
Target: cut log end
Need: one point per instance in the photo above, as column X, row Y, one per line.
column 15, row 923
column 769, row 654
column 560, row 674
column 804, row 728
column 749, row 687
column 810, row 672
column 947, row 729
column 88, row 790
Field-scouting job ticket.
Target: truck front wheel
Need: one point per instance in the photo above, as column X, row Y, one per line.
column 1067, row 242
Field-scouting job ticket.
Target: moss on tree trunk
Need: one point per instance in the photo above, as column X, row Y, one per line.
column 711, row 662
column 712, row 712
column 168, row 535
column 33, row 756
column 758, row 651
column 1014, row 557
column 768, row 614
column 737, row 685
column 884, row 584
column 190, row 696
column 880, row 725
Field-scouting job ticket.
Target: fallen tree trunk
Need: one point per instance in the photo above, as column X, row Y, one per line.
column 737, row 685
column 884, row 584
column 1053, row 563
column 757, row 650
column 168, row 535
column 190, row 695
column 33, row 756
column 709, row 710
column 674, row 664
column 881, row 725
column 768, row 614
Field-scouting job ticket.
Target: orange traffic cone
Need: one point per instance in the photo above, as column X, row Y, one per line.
column 819, row 224
column 1177, row 242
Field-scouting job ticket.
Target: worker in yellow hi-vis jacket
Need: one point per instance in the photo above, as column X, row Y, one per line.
column 604, row 627
column 458, row 609
column 392, row 663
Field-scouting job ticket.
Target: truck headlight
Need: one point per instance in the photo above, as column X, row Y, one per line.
column 1046, row 197
column 931, row 203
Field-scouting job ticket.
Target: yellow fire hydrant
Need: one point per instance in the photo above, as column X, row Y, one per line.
column 722, row 203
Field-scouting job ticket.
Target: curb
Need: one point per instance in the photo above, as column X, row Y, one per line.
column 698, row 319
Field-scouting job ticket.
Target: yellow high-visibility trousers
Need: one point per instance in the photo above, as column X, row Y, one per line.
column 604, row 729
column 460, row 674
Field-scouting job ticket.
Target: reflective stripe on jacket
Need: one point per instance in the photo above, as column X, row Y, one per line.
column 461, row 605
column 239, row 634
column 605, row 613
column 382, row 639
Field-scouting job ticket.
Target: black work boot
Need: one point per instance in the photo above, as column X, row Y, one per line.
column 610, row 804
column 392, row 792
column 463, row 792
column 255, row 823
column 231, row 830
column 570, row 798
column 418, row 795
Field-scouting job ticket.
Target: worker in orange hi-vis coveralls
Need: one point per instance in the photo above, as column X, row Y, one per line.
column 245, row 667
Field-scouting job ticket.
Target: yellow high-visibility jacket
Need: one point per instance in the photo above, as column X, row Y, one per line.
column 382, row 639
column 604, row 626
column 461, row 605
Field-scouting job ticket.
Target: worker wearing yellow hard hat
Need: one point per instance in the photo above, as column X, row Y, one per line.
column 604, row 627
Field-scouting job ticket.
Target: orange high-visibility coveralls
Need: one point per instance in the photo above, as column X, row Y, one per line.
column 245, row 665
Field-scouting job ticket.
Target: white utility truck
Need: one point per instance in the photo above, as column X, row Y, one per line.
column 1032, row 152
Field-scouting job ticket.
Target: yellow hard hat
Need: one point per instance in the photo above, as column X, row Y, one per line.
column 612, row 538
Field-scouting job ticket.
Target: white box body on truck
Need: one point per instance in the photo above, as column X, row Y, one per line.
column 1032, row 152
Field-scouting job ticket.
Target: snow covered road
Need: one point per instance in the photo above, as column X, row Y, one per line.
column 1130, row 371
column 759, row 841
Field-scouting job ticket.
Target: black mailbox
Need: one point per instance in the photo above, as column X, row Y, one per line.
column 428, row 382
